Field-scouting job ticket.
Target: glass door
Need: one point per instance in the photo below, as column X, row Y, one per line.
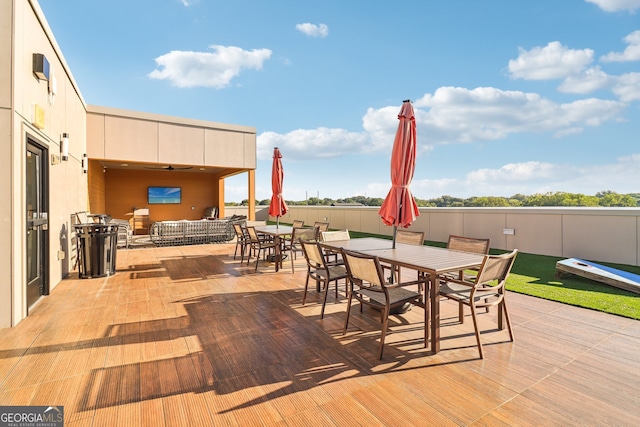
column 37, row 240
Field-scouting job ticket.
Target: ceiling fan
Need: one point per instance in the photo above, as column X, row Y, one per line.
column 171, row 168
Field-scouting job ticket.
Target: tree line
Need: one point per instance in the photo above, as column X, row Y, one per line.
column 602, row 199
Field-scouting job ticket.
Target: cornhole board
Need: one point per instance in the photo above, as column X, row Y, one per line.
column 600, row 273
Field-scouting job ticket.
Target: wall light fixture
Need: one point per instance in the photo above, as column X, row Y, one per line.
column 85, row 163
column 64, row 147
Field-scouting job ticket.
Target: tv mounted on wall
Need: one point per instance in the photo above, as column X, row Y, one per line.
column 164, row 195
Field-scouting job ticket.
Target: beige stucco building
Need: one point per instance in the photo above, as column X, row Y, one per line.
column 42, row 112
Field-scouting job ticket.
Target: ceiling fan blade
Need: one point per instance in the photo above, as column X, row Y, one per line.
column 169, row 168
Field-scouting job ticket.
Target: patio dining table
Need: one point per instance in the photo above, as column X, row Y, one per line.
column 277, row 232
column 430, row 260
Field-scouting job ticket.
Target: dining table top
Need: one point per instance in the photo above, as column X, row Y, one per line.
column 275, row 230
column 430, row 259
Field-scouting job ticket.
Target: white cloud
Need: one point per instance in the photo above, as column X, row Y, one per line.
column 313, row 30
column 631, row 53
column 616, row 5
column 521, row 172
column 450, row 115
column 311, row 144
column 590, row 80
column 627, row 87
column 553, row 61
column 463, row 115
column 534, row 177
column 207, row 69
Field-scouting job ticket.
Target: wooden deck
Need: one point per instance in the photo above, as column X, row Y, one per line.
column 186, row 336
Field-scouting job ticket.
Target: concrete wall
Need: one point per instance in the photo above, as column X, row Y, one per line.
column 596, row 234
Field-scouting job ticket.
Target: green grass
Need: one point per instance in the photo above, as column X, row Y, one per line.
column 535, row 275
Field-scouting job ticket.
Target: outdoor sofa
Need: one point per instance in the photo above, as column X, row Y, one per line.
column 192, row 232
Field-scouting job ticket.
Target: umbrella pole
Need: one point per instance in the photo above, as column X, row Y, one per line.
column 395, row 232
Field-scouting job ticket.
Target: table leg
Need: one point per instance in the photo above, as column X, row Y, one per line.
column 435, row 313
column 278, row 254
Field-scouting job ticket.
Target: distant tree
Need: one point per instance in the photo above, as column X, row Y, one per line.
column 602, row 198
column 489, row 201
column 610, row 199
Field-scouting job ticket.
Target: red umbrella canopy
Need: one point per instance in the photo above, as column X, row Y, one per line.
column 278, row 206
column 399, row 208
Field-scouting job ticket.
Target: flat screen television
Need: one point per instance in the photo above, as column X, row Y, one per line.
column 164, row 195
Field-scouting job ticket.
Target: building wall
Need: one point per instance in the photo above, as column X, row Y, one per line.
column 6, row 162
column 596, row 234
column 121, row 135
column 126, row 189
column 23, row 32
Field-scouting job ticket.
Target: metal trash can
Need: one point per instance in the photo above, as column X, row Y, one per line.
column 97, row 247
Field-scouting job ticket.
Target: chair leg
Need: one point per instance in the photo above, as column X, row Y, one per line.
column 346, row 320
column 475, row 326
column 461, row 312
column 506, row 316
column 258, row 259
column 306, row 287
column 324, row 302
column 385, row 321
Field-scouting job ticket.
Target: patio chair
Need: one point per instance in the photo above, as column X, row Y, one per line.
column 258, row 246
column 125, row 235
column 293, row 245
column 297, row 223
column 332, row 236
column 322, row 226
column 242, row 241
column 320, row 271
column 466, row 244
column 487, row 290
column 366, row 272
column 409, row 238
column 469, row 244
column 141, row 220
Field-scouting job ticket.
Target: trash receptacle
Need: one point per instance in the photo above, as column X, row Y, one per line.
column 97, row 245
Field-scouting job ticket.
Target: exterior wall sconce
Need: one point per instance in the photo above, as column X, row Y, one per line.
column 40, row 66
column 85, row 163
column 64, row 147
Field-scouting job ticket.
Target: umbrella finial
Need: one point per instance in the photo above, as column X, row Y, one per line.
column 407, row 100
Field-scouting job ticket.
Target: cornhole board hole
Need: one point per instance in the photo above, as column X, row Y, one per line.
column 600, row 273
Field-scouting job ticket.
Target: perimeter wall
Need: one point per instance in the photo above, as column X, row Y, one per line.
column 594, row 234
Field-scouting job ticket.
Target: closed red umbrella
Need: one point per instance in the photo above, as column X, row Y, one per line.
column 278, row 206
column 399, row 208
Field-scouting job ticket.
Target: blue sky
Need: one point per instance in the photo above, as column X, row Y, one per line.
column 510, row 96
